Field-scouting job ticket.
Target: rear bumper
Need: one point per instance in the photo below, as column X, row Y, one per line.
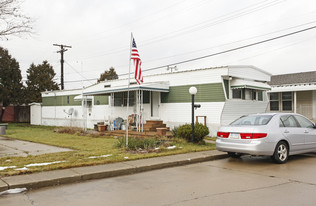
column 252, row 147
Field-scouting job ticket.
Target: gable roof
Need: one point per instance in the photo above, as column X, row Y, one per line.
column 294, row 78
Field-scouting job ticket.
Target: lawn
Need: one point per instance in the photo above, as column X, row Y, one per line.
column 83, row 146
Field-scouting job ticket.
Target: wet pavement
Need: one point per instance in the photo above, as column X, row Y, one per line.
column 12, row 148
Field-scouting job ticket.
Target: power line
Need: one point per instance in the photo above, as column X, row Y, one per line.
column 223, row 52
column 61, row 51
column 196, row 27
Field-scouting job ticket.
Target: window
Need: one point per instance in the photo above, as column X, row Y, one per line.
column 274, row 101
column 237, row 93
column 253, row 120
column 120, row 98
column 254, row 95
column 288, row 121
column 287, row 101
column 260, row 96
column 304, row 122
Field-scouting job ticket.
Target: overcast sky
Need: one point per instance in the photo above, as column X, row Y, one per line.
column 166, row 32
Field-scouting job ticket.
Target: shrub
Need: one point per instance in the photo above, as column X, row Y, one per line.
column 135, row 143
column 200, row 131
column 69, row 130
column 175, row 131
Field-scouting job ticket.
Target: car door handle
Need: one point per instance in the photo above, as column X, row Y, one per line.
column 306, row 131
column 286, row 131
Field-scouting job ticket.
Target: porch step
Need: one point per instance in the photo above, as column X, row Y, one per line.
column 152, row 125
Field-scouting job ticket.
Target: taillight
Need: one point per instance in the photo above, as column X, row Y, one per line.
column 246, row 135
column 252, row 135
column 223, row 134
column 258, row 135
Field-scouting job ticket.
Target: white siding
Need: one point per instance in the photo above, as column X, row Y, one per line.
column 36, row 114
column 175, row 114
column 248, row 72
column 236, row 108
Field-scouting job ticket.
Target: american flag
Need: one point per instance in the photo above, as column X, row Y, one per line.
column 137, row 62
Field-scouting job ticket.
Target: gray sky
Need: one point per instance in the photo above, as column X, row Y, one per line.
column 166, row 31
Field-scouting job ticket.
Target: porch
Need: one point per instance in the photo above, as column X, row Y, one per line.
column 134, row 103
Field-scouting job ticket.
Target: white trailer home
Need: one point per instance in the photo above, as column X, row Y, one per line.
column 224, row 93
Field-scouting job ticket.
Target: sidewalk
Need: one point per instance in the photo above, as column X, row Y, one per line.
column 65, row 176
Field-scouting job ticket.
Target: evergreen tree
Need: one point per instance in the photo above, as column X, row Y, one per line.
column 108, row 75
column 39, row 79
column 11, row 87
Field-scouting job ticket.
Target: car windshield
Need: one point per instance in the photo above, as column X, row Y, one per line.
column 253, row 120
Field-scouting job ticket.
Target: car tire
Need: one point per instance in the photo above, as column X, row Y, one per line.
column 234, row 154
column 281, row 153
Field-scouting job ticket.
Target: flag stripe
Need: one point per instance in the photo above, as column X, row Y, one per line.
column 137, row 63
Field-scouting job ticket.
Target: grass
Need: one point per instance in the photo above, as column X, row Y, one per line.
column 83, row 147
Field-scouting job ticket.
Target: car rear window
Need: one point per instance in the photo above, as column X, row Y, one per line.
column 253, row 120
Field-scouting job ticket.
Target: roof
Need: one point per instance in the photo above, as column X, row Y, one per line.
column 294, row 78
column 152, row 86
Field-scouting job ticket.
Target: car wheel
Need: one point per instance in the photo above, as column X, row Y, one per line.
column 234, row 154
column 281, row 153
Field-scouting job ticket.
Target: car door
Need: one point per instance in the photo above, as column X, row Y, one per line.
column 293, row 132
column 309, row 131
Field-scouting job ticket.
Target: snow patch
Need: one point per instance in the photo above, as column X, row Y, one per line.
column 125, row 157
column 8, row 167
column 171, row 147
column 43, row 164
column 24, row 168
column 13, row 191
column 93, row 157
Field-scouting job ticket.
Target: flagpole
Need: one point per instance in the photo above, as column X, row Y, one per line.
column 129, row 72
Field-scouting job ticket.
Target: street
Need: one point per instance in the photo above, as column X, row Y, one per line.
column 245, row 181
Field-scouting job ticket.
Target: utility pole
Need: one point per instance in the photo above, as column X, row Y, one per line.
column 61, row 51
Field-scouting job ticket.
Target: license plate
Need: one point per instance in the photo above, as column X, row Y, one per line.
column 234, row 136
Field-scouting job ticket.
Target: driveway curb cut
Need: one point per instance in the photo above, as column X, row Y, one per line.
column 73, row 175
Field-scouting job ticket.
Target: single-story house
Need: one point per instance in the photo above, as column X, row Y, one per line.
column 294, row 92
column 224, row 93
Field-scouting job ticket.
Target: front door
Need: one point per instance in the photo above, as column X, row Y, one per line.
column 154, row 104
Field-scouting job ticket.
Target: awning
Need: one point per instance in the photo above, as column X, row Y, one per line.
column 79, row 98
column 240, row 83
column 154, row 86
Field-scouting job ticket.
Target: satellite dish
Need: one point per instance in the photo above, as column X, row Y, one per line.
column 70, row 111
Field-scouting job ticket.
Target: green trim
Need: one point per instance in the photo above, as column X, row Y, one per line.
column 250, row 87
column 101, row 100
column 60, row 101
column 205, row 93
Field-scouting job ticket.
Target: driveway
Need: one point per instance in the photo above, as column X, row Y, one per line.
column 12, row 147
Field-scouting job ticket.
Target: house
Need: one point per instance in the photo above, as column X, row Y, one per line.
column 224, row 93
column 294, row 92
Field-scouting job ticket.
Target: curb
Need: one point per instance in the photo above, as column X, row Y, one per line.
column 79, row 174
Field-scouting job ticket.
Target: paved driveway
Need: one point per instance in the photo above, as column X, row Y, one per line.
column 12, row 147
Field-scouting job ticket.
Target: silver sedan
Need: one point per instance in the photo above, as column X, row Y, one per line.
column 273, row 134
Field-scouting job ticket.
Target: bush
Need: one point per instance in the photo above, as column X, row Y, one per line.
column 200, row 131
column 135, row 143
column 175, row 132
column 69, row 130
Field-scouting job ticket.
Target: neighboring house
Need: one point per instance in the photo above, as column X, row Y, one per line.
column 294, row 93
column 224, row 93
column 16, row 114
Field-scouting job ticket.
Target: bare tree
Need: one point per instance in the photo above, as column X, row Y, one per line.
column 12, row 20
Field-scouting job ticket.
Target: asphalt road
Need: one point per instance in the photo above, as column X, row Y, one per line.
column 246, row 181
